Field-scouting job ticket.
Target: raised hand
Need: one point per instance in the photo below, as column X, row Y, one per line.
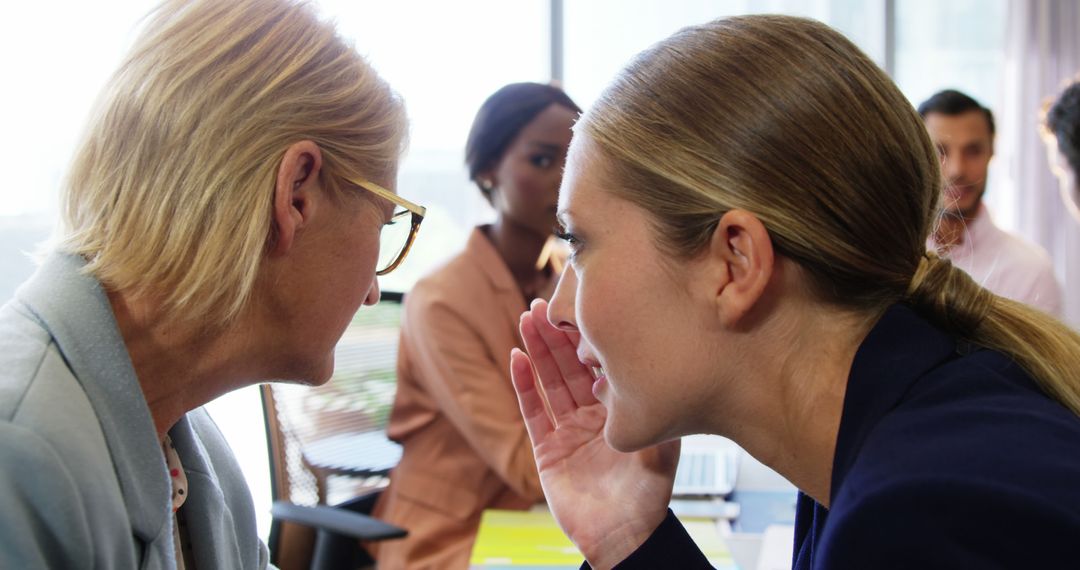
column 606, row 501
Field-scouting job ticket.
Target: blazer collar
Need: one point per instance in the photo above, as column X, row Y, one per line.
column 487, row 259
column 73, row 308
column 900, row 349
column 483, row 254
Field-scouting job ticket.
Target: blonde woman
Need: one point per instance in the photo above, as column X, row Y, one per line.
column 747, row 207
column 221, row 225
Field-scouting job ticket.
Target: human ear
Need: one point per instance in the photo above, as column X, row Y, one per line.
column 742, row 256
column 294, row 189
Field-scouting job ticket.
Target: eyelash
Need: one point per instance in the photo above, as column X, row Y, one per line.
column 541, row 160
column 572, row 240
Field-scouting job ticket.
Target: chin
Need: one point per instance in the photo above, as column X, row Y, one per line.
column 313, row 373
column 324, row 374
column 626, row 438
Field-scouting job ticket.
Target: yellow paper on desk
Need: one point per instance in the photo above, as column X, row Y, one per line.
column 522, row 538
column 532, row 538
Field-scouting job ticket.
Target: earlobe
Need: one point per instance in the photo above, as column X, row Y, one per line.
column 742, row 251
column 294, row 189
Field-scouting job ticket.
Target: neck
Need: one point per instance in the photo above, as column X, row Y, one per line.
column 179, row 368
column 790, row 417
column 950, row 228
column 520, row 248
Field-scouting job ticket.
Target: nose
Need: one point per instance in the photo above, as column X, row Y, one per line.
column 953, row 168
column 373, row 293
column 561, row 308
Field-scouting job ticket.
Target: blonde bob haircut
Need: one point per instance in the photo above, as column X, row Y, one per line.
column 170, row 193
column 786, row 118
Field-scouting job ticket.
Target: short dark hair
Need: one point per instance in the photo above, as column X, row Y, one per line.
column 1064, row 121
column 501, row 118
column 952, row 102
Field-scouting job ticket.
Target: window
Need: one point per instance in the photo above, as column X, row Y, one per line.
column 444, row 58
column 54, row 63
column 958, row 45
column 602, row 35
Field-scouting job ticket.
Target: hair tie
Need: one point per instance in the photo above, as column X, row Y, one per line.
column 948, row 295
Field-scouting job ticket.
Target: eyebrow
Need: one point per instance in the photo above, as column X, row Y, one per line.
column 546, row 146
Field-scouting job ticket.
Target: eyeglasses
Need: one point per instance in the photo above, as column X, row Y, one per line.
column 395, row 238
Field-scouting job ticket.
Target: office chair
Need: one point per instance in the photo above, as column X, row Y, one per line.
column 329, row 456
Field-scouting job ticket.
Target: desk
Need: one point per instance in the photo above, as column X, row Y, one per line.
column 511, row 540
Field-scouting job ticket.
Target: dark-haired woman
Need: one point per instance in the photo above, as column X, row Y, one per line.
column 465, row 446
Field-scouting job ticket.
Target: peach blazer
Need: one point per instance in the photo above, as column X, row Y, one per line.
column 455, row 412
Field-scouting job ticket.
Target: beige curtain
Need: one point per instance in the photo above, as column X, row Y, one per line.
column 1042, row 51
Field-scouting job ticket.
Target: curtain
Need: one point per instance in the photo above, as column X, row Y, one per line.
column 1042, row 51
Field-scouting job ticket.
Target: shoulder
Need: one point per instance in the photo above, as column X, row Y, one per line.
column 1024, row 252
column 42, row 508
column 451, row 274
column 38, row 391
column 26, row 344
column 46, row 412
column 931, row 521
column 456, row 289
column 974, row 459
column 979, row 416
column 60, row 503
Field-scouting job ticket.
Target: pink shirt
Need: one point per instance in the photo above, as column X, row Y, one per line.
column 1006, row 264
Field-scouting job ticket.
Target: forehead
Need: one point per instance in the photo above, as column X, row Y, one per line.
column 550, row 126
column 966, row 127
column 586, row 180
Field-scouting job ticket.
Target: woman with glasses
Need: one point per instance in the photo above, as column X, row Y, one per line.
column 220, row 227
column 465, row 446
column 747, row 207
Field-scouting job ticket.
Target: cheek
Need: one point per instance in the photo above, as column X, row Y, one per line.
column 524, row 192
column 610, row 318
column 532, row 184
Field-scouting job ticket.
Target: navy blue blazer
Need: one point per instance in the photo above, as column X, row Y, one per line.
column 947, row 456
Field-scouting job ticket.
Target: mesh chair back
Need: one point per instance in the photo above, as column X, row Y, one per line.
column 328, row 418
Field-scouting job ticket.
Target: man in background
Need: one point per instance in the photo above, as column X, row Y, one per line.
column 963, row 131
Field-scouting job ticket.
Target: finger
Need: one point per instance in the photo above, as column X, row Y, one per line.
column 558, row 395
column 537, row 422
column 578, row 378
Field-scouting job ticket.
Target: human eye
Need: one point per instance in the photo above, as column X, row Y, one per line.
column 542, row 160
column 396, row 218
column 572, row 240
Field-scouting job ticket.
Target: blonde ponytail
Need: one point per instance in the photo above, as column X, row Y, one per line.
column 786, row 118
column 1048, row 350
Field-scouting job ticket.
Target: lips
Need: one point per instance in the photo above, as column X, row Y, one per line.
column 597, row 371
column 599, row 380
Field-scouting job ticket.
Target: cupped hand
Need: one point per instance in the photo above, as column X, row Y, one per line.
column 606, row 501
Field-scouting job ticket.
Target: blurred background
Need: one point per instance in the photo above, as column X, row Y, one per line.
column 445, row 57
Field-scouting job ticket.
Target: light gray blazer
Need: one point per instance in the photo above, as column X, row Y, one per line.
column 83, row 482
